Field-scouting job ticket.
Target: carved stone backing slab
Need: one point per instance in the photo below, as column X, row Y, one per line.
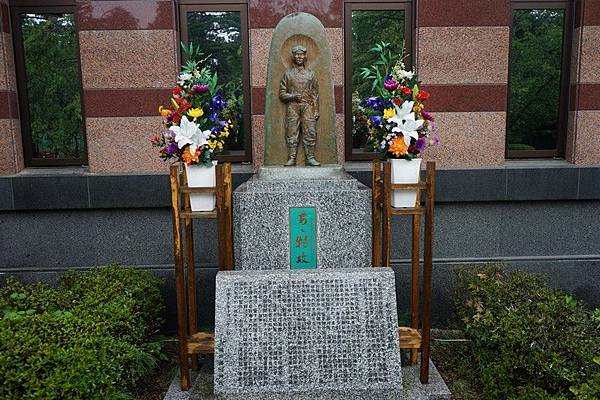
column 304, row 29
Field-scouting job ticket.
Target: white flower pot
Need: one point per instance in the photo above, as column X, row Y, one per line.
column 405, row 171
column 201, row 176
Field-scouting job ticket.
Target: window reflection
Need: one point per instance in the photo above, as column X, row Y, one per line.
column 53, row 85
column 370, row 27
column 535, row 79
column 218, row 36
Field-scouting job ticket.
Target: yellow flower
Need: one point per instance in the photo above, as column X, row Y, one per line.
column 212, row 144
column 418, row 107
column 225, row 133
column 389, row 113
column 195, row 113
column 164, row 112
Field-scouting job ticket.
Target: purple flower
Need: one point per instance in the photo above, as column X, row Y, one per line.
column 427, row 116
column 218, row 103
column 420, row 145
column 214, row 117
column 200, row 88
column 390, row 83
column 172, row 148
column 376, row 120
column 375, row 103
column 215, row 130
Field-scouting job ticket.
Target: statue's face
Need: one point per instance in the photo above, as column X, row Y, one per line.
column 299, row 58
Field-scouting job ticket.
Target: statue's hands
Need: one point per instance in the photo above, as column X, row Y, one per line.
column 296, row 97
column 317, row 115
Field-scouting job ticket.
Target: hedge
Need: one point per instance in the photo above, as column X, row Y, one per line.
column 532, row 341
column 93, row 337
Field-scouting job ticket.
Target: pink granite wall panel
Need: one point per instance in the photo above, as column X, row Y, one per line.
column 591, row 12
column 121, row 144
column 11, row 147
column 590, row 54
column 258, row 140
column 469, row 139
column 587, row 145
column 463, row 55
column 260, row 45
column 128, row 59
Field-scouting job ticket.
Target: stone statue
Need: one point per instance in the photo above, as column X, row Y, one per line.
column 300, row 92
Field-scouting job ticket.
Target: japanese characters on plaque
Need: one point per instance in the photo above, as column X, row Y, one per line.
column 303, row 238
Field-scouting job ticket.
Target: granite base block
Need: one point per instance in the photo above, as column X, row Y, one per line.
column 307, row 334
column 261, row 209
column 412, row 389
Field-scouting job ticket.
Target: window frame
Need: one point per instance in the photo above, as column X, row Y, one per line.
column 564, row 99
column 236, row 156
column 350, row 153
column 42, row 7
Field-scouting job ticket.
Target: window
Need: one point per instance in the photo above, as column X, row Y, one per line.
column 538, row 79
column 49, row 85
column 221, row 31
column 365, row 25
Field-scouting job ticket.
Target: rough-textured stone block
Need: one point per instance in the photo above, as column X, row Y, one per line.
column 315, row 333
column 261, row 217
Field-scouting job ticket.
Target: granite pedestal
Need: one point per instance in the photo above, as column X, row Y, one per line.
column 307, row 334
column 261, row 217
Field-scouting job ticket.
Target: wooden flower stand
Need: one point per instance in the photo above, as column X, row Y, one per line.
column 192, row 342
column 410, row 337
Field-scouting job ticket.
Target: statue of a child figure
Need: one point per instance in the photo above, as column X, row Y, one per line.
column 300, row 91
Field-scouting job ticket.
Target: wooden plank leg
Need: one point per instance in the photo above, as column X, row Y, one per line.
column 414, row 303
column 228, row 216
column 387, row 177
column 427, row 273
column 182, row 330
column 376, row 212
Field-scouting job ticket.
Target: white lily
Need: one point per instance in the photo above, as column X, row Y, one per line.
column 403, row 113
column 188, row 132
column 409, row 129
column 406, row 74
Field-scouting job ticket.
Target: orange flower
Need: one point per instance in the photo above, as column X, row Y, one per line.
column 188, row 158
column 398, row 147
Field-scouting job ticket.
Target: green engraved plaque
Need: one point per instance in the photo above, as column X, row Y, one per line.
column 303, row 238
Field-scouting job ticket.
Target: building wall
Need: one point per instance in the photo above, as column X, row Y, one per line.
column 129, row 61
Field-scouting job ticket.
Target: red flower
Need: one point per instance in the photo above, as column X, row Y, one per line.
column 397, row 101
column 422, row 95
column 405, row 90
column 184, row 107
column 179, row 100
column 177, row 91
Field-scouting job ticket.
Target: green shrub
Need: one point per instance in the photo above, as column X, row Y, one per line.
column 532, row 342
column 93, row 337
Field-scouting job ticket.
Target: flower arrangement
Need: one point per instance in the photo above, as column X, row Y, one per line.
column 399, row 126
column 194, row 127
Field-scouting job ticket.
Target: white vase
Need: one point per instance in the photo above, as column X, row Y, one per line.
column 201, row 176
column 405, row 171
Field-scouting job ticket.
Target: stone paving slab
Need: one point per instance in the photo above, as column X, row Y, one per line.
column 436, row 389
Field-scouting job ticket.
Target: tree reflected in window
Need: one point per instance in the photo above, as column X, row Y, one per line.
column 217, row 33
column 535, row 79
column 53, row 86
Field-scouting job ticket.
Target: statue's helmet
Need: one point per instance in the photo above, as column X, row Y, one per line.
column 298, row 49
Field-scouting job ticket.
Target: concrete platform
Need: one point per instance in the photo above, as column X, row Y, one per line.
column 202, row 385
